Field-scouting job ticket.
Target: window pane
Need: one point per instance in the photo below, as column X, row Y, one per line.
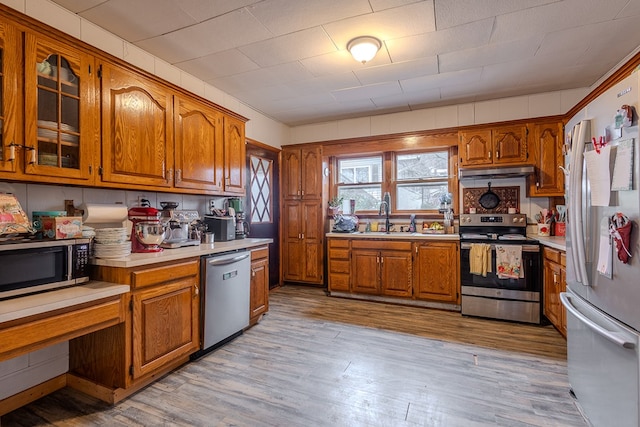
column 360, row 170
column 422, row 165
column 367, row 197
column 420, row 196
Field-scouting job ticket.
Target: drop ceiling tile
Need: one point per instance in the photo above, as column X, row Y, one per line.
column 545, row 104
column 454, row 78
column 367, row 92
column 167, row 71
column 219, row 64
column 201, row 10
column 379, row 5
column 398, row 71
column 102, row 39
column 407, row 98
column 451, row 13
column 554, row 17
column 325, row 83
column 466, row 36
column 55, row 16
column 140, row 19
column 495, row 53
column 224, row 32
column 284, row 16
column 77, row 6
column 289, row 47
column 138, row 57
column 416, row 18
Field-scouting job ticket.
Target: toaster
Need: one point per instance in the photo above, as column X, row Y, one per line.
column 223, row 227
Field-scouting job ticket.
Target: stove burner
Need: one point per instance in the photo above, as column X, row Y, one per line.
column 512, row 237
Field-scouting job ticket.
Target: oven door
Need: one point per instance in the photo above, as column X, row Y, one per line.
column 529, row 283
column 505, row 299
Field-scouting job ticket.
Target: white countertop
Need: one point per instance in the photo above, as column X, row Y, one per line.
column 556, row 242
column 395, row 235
column 30, row 305
column 138, row 259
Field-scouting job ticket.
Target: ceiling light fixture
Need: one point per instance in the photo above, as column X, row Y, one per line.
column 364, row 49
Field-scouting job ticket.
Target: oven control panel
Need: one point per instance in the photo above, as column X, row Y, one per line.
column 494, row 220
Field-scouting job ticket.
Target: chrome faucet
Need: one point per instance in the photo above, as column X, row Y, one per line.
column 385, row 206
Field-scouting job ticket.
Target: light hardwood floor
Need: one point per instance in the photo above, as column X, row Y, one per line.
column 321, row 361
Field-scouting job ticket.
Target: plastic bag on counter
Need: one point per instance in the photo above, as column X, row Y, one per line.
column 345, row 223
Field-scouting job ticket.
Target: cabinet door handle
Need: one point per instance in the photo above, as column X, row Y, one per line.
column 178, row 175
column 555, row 278
column 32, row 155
column 302, row 192
column 253, row 273
column 489, row 155
column 196, row 290
column 302, row 236
column 11, row 156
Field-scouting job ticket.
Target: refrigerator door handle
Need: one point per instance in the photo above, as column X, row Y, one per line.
column 618, row 338
column 576, row 203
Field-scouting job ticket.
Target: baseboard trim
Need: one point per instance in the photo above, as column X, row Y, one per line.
column 31, row 394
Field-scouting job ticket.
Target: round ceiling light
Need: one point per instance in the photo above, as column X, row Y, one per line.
column 364, row 49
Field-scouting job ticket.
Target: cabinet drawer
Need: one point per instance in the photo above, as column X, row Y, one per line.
column 167, row 273
column 563, row 259
column 339, row 282
column 381, row 244
column 551, row 254
column 339, row 243
column 339, row 266
column 338, row 254
column 259, row 253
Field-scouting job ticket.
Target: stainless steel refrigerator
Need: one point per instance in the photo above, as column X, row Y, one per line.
column 603, row 293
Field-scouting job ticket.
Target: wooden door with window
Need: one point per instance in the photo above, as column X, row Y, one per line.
column 262, row 206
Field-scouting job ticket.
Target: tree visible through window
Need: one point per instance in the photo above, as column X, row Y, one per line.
column 422, row 178
column 361, row 179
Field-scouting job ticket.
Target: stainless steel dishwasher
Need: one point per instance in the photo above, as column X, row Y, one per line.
column 225, row 298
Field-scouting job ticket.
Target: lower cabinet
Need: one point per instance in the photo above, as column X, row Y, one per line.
column 381, row 268
column 259, row 300
column 411, row 269
column 437, row 271
column 554, row 277
column 160, row 332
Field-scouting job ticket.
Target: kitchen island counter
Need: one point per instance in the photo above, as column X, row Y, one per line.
column 140, row 259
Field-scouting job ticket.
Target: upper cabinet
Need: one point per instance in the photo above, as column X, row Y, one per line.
column 235, row 153
column 199, row 153
column 137, row 129
column 60, row 126
column 9, row 72
column 546, row 148
column 302, row 169
column 493, row 146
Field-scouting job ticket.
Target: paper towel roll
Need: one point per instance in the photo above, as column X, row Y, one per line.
column 104, row 214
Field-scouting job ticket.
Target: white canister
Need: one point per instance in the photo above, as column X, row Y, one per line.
column 544, row 229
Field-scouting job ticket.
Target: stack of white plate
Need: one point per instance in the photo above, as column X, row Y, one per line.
column 111, row 243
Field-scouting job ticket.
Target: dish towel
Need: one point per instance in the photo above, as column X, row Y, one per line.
column 480, row 259
column 509, row 262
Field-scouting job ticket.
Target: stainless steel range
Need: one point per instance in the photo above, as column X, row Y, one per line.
column 491, row 293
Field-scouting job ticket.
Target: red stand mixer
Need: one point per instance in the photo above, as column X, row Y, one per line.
column 147, row 231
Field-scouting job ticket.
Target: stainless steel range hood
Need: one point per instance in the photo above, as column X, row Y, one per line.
column 495, row 172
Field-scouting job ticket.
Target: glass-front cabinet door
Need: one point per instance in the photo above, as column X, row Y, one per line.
column 59, row 98
column 9, row 63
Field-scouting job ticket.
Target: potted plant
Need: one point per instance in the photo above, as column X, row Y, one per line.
column 334, row 205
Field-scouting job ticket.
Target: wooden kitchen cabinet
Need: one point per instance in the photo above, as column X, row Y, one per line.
column 436, row 268
column 554, row 277
column 137, row 129
column 199, row 146
column 259, row 296
column 302, row 173
column 160, row 331
column 493, row 146
column 381, row 267
column 60, row 111
column 10, row 155
column 235, row 155
column 546, row 147
column 339, row 265
column 303, row 242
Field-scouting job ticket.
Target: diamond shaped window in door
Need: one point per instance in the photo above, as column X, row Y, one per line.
column 261, row 200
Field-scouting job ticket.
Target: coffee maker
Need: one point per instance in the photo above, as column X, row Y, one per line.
column 178, row 233
column 147, row 231
column 237, row 205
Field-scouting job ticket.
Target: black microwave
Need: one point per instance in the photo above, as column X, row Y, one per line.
column 41, row 265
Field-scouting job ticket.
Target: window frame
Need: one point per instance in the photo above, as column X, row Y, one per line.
column 390, row 183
